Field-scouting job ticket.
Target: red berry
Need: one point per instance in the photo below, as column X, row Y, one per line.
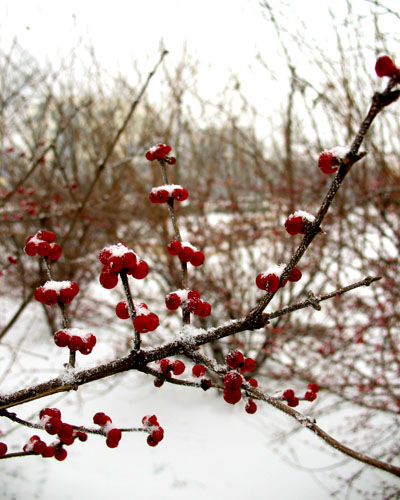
column 174, row 247
column 234, row 359
column 268, row 282
column 48, row 236
column 251, row 407
column 385, row 67
column 30, row 247
column 293, row 402
column 194, row 305
column 129, row 260
column 171, row 160
column 233, row 380
column 295, row 274
column 232, row 396
column 3, row 449
column 198, row 370
column 108, row 279
column 180, row 194
column 122, row 310
column 66, row 295
column 157, row 434
column 51, row 412
column 61, row 338
column 146, row 323
column 288, row 394
column 75, row 343
column 172, row 301
column 295, row 225
column 205, row 310
column 55, row 251
column 50, row 297
column 313, row 387
column 115, row 264
column 39, row 447
column 165, row 365
column 53, row 425
column 82, row 436
column 43, row 249
column 141, row 270
column 253, row 382
column 178, row 367
column 197, row 258
column 101, row 418
column 186, row 254
column 48, row 452
column 60, row 454
column 114, row 435
column 150, row 156
column 158, row 382
column 327, row 162
column 310, row 396
column 193, row 294
column 249, row 365
column 150, row 442
column 12, row 260
column 149, row 420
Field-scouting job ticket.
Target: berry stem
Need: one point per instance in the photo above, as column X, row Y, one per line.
column 178, row 237
column 65, row 320
column 131, row 307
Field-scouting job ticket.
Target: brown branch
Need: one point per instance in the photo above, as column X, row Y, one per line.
column 111, row 148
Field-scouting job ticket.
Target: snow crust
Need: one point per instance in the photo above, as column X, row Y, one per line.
column 56, row 285
column 276, row 269
column 338, row 152
column 303, row 214
column 166, row 187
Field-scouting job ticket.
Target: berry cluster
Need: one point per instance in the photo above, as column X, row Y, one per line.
column 43, row 244
column 233, row 379
column 298, row 222
column 156, row 432
column 161, row 194
column 270, row 280
column 53, row 292
column 186, row 252
column 167, row 368
column 290, row 397
column 75, row 339
column 119, row 258
column 159, row 152
column 385, row 67
column 145, row 321
column 39, row 447
column 190, row 300
column 310, row 395
column 113, row 435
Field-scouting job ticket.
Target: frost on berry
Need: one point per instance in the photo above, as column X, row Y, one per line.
column 158, row 152
column 119, row 258
column 330, row 159
column 53, row 291
column 189, row 300
column 43, row 244
column 75, row 339
column 298, row 222
column 186, row 252
column 161, row 194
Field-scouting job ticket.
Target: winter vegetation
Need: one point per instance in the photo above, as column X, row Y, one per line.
column 142, row 240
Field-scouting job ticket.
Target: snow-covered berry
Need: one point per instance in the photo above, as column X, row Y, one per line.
column 298, row 222
column 234, row 359
column 251, row 406
column 158, row 152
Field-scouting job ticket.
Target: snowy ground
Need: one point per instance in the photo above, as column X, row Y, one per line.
column 210, row 449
